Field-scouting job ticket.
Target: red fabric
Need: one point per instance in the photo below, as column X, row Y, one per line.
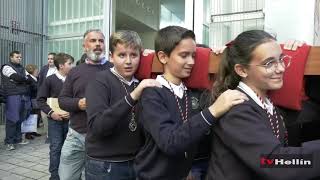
column 292, row 92
column 145, row 67
column 199, row 74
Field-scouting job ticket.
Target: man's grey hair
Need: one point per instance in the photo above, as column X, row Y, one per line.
column 92, row 30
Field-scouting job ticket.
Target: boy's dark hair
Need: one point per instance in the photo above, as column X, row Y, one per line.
column 62, row 58
column 126, row 37
column 238, row 51
column 14, row 52
column 169, row 37
column 51, row 53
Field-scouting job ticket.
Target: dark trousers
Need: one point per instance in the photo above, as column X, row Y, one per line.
column 199, row 169
column 104, row 170
column 13, row 132
column 18, row 108
column 57, row 131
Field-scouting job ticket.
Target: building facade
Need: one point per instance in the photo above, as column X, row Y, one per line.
column 69, row 19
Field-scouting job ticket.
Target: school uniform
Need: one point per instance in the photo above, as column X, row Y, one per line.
column 170, row 142
column 57, row 130
column 245, row 133
column 113, row 136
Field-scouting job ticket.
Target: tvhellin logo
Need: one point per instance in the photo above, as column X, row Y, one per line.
column 286, row 161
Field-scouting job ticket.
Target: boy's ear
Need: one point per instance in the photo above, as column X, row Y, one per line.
column 110, row 57
column 240, row 70
column 163, row 58
column 61, row 66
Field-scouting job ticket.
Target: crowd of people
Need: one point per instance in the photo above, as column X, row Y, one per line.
column 102, row 120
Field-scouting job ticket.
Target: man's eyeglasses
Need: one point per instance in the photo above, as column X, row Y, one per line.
column 271, row 64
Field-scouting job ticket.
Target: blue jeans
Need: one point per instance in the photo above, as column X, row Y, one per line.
column 57, row 131
column 73, row 156
column 104, row 170
column 13, row 132
column 18, row 108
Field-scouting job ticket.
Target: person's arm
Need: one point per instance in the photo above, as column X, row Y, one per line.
column 66, row 100
column 245, row 133
column 42, row 95
column 171, row 137
column 103, row 117
column 33, row 85
column 157, row 120
column 12, row 74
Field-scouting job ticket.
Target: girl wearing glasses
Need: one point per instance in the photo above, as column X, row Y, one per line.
column 250, row 138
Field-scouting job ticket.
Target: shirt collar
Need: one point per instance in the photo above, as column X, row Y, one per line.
column 255, row 98
column 114, row 71
column 62, row 78
column 34, row 78
column 178, row 90
column 103, row 61
column 52, row 68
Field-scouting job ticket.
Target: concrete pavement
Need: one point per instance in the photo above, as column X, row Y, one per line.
column 26, row 162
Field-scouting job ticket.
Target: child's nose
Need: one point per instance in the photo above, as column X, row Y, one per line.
column 191, row 60
column 128, row 60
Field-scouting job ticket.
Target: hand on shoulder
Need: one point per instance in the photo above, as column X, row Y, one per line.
column 135, row 95
column 225, row 101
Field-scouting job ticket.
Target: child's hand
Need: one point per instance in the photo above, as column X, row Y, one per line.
column 82, row 104
column 146, row 52
column 65, row 115
column 225, row 101
column 135, row 95
column 56, row 116
column 292, row 45
column 218, row 50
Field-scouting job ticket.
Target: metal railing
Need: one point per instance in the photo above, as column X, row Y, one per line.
column 22, row 28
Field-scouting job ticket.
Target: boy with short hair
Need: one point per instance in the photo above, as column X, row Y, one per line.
column 171, row 135
column 57, row 121
column 113, row 135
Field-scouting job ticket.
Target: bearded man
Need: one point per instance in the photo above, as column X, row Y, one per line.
column 72, row 100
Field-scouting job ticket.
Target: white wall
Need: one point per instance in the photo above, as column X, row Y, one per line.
column 198, row 21
column 290, row 19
